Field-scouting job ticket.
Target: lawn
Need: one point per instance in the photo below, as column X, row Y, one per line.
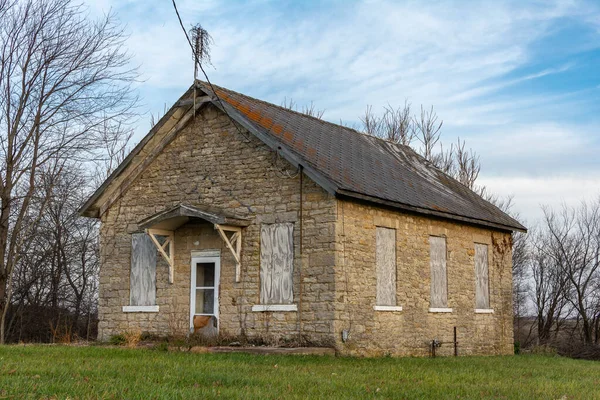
column 101, row 372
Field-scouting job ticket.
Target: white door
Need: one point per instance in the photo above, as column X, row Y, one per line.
column 204, row 296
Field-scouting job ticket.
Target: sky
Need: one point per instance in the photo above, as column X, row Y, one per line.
column 519, row 81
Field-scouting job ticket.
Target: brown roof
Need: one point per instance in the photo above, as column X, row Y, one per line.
column 344, row 162
column 362, row 166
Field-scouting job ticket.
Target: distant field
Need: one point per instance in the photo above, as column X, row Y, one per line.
column 100, row 372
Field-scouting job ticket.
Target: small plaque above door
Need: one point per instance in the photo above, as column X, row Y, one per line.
column 206, row 253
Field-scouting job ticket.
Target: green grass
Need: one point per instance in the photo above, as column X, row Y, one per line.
column 101, row 372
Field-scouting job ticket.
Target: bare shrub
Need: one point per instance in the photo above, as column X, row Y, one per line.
column 132, row 337
column 61, row 331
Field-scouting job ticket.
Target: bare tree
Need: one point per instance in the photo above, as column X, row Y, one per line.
column 372, row 123
column 395, row 125
column 550, row 286
column 74, row 240
column 110, row 150
column 308, row 109
column 467, row 165
column 55, row 279
column 574, row 245
column 62, row 78
column 428, row 128
column 521, row 257
column 445, row 160
column 399, row 126
column 155, row 118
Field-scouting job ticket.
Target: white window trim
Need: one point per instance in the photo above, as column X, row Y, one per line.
column 127, row 309
column 484, row 311
column 387, row 308
column 274, row 307
column 440, row 310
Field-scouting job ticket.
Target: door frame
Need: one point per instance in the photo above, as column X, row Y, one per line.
column 204, row 259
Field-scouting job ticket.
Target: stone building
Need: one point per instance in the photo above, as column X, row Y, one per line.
column 238, row 217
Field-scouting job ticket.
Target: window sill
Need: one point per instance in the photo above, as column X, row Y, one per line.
column 387, row 308
column 274, row 307
column 128, row 309
column 484, row 311
column 440, row 310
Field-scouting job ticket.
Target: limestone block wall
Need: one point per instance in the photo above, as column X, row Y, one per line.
column 211, row 163
column 409, row 332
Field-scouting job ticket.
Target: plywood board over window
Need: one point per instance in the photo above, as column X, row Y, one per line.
column 142, row 290
column 482, row 290
column 386, row 266
column 439, row 278
column 276, row 263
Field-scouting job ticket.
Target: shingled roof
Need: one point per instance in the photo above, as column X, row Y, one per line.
column 345, row 162
column 357, row 165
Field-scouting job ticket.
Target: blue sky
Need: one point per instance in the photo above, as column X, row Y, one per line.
column 518, row 80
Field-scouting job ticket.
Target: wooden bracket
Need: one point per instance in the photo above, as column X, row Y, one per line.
column 168, row 245
column 234, row 239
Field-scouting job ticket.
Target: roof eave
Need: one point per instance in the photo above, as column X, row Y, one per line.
column 88, row 209
column 198, row 212
column 426, row 211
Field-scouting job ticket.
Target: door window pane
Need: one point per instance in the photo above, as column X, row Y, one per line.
column 205, row 301
column 205, row 274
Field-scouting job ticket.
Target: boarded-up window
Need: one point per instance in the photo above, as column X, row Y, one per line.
column 276, row 263
column 482, row 291
column 386, row 266
column 142, row 290
column 439, row 283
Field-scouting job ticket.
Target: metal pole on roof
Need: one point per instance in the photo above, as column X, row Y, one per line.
column 201, row 52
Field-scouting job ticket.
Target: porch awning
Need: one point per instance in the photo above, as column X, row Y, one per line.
column 164, row 224
column 172, row 218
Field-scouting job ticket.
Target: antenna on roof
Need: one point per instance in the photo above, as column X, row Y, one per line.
column 205, row 41
column 201, row 42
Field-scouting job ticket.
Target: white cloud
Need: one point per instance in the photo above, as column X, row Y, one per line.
column 461, row 57
column 530, row 193
column 375, row 52
column 487, row 89
column 153, row 48
column 535, row 140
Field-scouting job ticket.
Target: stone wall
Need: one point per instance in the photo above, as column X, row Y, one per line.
column 410, row 331
column 211, row 163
